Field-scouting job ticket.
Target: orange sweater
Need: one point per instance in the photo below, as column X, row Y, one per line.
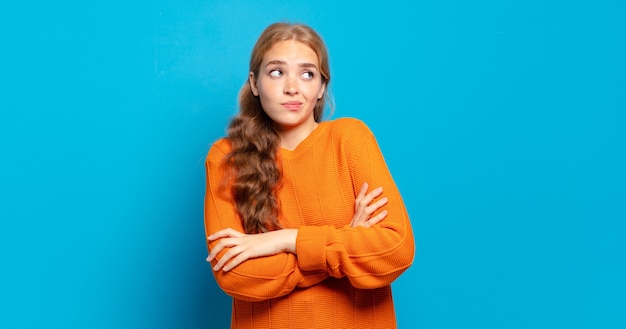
column 341, row 276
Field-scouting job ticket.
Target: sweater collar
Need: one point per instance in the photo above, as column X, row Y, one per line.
column 306, row 143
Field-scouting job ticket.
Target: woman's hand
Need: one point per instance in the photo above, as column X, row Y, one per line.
column 242, row 247
column 363, row 209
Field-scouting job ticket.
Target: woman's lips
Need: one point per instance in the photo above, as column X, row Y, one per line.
column 292, row 105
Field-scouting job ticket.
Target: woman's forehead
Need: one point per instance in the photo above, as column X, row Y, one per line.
column 291, row 52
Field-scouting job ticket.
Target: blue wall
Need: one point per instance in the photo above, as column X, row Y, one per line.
column 503, row 123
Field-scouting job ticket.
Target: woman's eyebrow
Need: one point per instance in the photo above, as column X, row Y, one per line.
column 275, row 62
column 308, row 65
column 279, row 62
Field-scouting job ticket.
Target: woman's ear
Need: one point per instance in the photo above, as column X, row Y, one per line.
column 322, row 90
column 253, row 87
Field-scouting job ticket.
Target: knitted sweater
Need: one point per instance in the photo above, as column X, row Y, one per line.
column 341, row 275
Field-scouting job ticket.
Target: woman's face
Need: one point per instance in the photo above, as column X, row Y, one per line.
column 289, row 85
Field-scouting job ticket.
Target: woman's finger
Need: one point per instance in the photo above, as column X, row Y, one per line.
column 376, row 219
column 371, row 196
column 225, row 233
column 365, row 206
column 361, row 194
column 232, row 252
column 221, row 245
column 374, row 194
column 376, row 205
column 240, row 258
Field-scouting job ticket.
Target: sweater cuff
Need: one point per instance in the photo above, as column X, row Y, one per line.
column 310, row 248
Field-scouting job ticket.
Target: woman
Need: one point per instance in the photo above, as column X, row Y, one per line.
column 294, row 234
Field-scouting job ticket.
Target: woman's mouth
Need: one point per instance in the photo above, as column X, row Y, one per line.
column 292, row 105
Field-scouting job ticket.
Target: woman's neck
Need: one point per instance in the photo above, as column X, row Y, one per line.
column 291, row 138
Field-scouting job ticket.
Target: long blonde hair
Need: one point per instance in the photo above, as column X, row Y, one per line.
column 254, row 140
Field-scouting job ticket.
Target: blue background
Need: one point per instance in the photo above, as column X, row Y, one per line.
column 503, row 123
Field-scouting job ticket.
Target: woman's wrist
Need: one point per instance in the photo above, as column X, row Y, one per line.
column 289, row 236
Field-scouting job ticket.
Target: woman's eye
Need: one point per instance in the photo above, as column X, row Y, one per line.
column 275, row 73
column 307, row 75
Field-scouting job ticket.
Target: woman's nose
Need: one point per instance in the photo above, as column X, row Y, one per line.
column 290, row 87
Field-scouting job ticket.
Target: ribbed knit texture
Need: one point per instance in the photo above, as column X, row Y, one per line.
column 341, row 276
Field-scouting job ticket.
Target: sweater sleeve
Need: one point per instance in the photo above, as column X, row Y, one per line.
column 256, row 279
column 370, row 257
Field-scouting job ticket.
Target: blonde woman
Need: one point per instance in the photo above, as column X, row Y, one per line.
column 295, row 233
